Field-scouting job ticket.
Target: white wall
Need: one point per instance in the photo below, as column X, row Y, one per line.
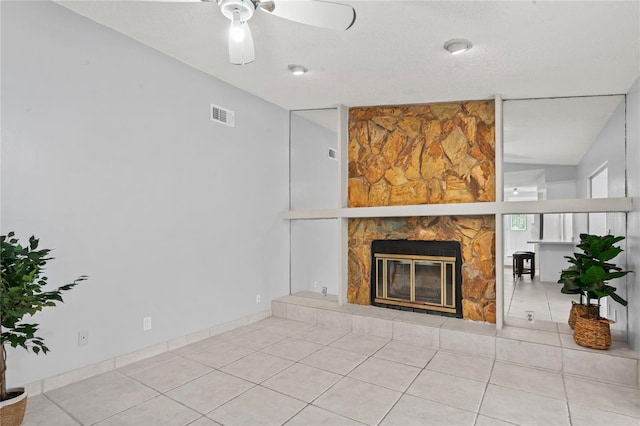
column 633, row 218
column 315, row 183
column 315, row 179
column 608, row 150
column 552, row 172
column 109, row 156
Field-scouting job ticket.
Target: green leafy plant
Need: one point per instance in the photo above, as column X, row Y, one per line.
column 22, row 295
column 591, row 270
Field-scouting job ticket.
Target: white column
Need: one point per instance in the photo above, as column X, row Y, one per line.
column 499, row 217
column 343, row 222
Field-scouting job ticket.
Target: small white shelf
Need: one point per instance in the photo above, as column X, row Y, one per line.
column 580, row 205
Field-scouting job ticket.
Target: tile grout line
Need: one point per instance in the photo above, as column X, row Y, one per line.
column 484, row 392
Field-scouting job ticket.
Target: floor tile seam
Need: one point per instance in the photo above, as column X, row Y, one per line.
column 60, row 407
column 608, row 410
column 357, row 380
column 484, row 391
column 509, row 388
column 582, row 349
column 293, row 360
column 295, row 414
column 162, row 392
column 465, row 354
column 337, row 414
column 216, row 341
column 229, row 400
column 354, row 352
column 222, row 366
column 253, row 348
column 426, row 368
column 326, row 370
column 493, row 418
column 326, row 344
column 289, row 333
column 566, row 394
column 139, row 404
column 530, row 367
column 267, row 378
column 383, row 386
column 263, row 386
column 559, row 345
column 149, row 367
column 342, row 376
column 397, row 362
column 391, row 408
column 416, row 378
column 96, row 389
column 166, row 395
column 601, row 381
column 198, row 419
column 122, row 411
column 314, row 341
column 528, row 341
column 442, row 403
column 68, row 413
column 530, row 392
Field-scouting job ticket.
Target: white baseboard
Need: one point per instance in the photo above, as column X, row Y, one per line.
column 82, row 373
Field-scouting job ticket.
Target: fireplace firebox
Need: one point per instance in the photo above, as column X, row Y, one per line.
column 421, row 276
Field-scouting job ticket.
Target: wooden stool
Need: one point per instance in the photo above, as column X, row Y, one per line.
column 519, row 259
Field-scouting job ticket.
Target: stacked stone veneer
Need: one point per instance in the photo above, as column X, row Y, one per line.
column 425, row 154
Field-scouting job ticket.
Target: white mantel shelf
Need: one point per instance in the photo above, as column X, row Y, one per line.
column 470, row 209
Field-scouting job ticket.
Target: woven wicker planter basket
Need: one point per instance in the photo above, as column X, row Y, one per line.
column 12, row 410
column 578, row 309
column 592, row 332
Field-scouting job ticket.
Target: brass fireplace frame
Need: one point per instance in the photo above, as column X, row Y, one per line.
column 443, row 306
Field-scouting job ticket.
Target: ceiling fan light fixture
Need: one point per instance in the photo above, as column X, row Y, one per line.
column 457, row 46
column 236, row 32
column 297, row 69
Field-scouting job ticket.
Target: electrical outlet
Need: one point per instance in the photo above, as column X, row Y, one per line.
column 257, row 298
column 146, row 323
column 530, row 317
column 83, row 338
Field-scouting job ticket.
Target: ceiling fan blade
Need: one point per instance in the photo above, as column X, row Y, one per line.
column 242, row 52
column 334, row 16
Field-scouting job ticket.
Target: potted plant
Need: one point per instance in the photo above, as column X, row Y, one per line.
column 588, row 276
column 22, row 294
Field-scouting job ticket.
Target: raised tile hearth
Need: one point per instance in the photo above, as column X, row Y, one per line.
column 544, row 344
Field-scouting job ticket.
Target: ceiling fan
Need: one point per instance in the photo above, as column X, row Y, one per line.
column 335, row 16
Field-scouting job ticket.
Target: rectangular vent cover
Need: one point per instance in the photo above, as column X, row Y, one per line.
column 332, row 154
column 222, row 115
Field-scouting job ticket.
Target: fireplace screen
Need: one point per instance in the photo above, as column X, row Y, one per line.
column 416, row 281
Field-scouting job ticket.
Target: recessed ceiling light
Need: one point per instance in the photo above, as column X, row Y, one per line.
column 457, row 46
column 297, row 69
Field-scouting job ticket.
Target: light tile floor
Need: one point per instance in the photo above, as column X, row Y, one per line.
column 280, row 371
column 543, row 298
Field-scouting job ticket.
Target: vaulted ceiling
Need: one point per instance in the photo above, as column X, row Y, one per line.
column 394, row 54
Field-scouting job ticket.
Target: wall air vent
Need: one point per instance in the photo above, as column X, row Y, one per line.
column 222, row 115
column 332, row 154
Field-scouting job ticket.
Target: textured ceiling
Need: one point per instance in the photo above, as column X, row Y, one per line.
column 394, row 55
column 565, row 127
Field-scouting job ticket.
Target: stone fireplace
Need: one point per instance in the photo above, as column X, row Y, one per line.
column 417, row 276
column 423, row 154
